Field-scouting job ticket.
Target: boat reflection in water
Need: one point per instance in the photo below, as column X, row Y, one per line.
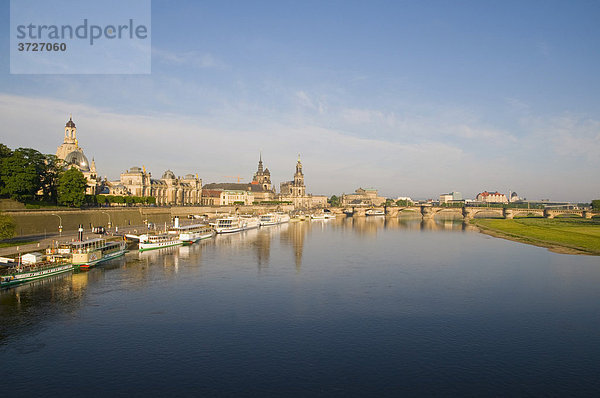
column 369, row 306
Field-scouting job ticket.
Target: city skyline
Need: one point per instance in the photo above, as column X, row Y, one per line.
column 412, row 99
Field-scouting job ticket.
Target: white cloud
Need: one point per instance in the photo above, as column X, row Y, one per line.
column 334, row 161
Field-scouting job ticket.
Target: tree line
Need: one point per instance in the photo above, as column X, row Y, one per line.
column 27, row 175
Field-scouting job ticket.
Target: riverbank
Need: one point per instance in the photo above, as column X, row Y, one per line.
column 560, row 235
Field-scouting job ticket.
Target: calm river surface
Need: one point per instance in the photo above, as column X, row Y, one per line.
column 324, row 308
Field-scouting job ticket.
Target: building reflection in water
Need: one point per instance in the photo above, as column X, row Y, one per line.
column 23, row 308
column 294, row 236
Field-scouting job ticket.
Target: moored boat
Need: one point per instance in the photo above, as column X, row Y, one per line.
column 158, row 241
column 250, row 222
column 18, row 273
column 189, row 234
column 87, row 253
column 227, row 225
column 322, row 216
column 374, row 212
column 274, row 219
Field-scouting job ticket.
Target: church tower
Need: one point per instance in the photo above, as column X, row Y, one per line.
column 262, row 176
column 73, row 156
column 299, row 189
column 70, row 131
column 70, row 143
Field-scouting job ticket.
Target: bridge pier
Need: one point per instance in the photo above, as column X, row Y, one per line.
column 359, row 212
column 467, row 213
column 587, row 214
column 427, row 212
column 508, row 214
column 391, row 211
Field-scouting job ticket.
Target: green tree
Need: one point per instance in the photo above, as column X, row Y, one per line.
column 7, row 226
column 52, row 172
column 5, row 152
column 334, row 201
column 596, row 204
column 21, row 174
column 71, row 188
column 403, row 202
column 101, row 199
column 90, row 200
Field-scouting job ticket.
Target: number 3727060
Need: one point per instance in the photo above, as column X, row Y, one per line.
column 47, row 47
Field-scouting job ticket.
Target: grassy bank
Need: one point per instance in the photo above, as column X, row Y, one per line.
column 564, row 235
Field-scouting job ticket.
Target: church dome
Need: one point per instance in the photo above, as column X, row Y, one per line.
column 168, row 175
column 70, row 123
column 77, row 159
column 267, row 171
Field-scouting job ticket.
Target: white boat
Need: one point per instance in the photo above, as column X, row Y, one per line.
column 227, row 225
column 189, row 234
column 299, row 218
column 374, row 212
column 250, row 222
column 19, row 273
column 322, row 216
column 283, row 218
column 159, row 241
column 274, row 218
column 87, row 253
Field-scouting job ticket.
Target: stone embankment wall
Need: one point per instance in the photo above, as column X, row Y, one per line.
column 39, row 222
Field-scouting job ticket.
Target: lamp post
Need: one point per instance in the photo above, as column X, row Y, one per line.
column 60, row 227
column 109, row 225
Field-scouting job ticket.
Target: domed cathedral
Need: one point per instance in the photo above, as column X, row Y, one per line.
column 72, row 154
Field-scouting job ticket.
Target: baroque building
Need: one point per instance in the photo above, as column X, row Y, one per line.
column 259, row 190
column 168, row 190
column 362, row 197
column 262, row 178
column 295, row 191
column 72, row 154
column 491, row 197
column 261, row 187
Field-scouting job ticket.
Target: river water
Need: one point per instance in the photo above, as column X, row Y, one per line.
column 351, row 307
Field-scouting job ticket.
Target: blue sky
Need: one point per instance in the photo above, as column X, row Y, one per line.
column 412, row 98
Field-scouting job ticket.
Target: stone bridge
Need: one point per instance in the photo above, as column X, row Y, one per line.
column 467, row 212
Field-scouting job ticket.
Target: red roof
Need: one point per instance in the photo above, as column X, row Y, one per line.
column 211, row 193
column 486, row 193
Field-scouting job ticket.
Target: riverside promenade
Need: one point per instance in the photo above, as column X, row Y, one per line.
column 45, row 240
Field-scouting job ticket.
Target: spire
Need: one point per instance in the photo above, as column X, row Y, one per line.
column 260, row 164
column 70, row 122
column 299, row 166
